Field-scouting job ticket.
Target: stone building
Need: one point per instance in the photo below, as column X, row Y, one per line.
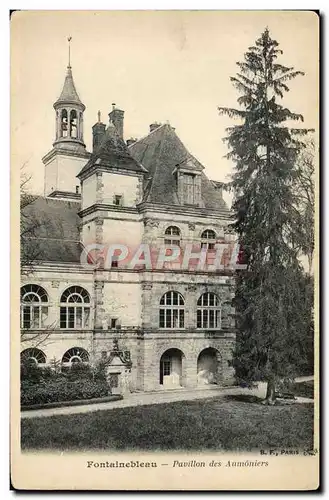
column 158, row 327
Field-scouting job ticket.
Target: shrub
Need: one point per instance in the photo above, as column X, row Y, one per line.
column 100, row 372
column 61, row 389
column 78, row 371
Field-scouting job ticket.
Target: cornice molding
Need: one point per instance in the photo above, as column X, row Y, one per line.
column 65, row 152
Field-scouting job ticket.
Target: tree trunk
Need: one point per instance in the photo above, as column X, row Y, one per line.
column 270, row 392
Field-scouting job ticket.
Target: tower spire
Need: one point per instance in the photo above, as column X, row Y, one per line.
column 69, row 40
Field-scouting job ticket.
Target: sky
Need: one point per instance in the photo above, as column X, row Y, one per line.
column 164, row 66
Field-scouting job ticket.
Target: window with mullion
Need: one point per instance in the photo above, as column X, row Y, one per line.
column 75, row 308
column 208, row 312
column 171, row 312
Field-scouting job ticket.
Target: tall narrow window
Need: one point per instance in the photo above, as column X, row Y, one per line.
column 208, row 239
column 64, row 123
column 189, row 189
column 73, row 124
column 172, row 236
column 171, row 313
column 34, row 307
column 75, row 308
column 208, row 311
column 118, row 200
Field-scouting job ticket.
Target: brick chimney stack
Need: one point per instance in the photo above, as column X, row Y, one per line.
column 116, row 117
column 98, row 132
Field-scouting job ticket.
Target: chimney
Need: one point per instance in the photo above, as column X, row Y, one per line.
column 98, row 132
column 131, row 141
column 154, row 126
column 116, row 117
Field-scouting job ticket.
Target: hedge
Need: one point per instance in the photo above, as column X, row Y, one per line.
column 61, row 389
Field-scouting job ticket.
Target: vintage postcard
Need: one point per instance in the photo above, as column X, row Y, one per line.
column 165, row 311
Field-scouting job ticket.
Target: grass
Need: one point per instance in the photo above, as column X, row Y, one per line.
column 212, row 424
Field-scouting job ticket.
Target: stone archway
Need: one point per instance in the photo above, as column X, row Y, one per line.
column 209, row 367
column 172, row 369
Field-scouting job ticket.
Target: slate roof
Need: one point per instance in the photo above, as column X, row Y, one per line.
column 159, row 152
column 52, row 230
column 113, row 153
column 69, row 93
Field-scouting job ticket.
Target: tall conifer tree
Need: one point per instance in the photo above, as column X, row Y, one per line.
column 270, row 295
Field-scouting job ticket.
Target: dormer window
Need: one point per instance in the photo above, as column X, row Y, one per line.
column 118, row 200
column 188, row 174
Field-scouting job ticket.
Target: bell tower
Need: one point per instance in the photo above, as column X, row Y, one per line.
column 68, row 155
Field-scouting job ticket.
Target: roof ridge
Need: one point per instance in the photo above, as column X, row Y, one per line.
column 156, row 162
column 147, row 135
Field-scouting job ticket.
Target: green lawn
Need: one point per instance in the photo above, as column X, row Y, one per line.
column 215, row 423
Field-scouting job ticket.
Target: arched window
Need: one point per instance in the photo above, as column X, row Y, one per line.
column 172, row 236
column 208, row 239
column 171, row 314
column 34, row 307
column 208, row 311
column 33, row 355
column 64, row 127
column 75, row 308
column 80, row 125
column 75, row 355
column 73, row 124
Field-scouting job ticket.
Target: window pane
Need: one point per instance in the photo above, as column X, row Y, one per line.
column 166, row 367
column 168, row 319
column 26, row 317
column 198, row 320
column 36, row 317
column 211, row 319
column 162, row 319
column 86, row 317
column 205, row 319
column 78, row 317
column 63, row 317
column 181, row 318
column 70, row 311
column 44, row 315
column 175, row 318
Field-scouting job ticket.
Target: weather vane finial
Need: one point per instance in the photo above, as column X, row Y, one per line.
column 99, row 116
column 69, row 40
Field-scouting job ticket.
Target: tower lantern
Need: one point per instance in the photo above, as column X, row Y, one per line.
column 69, row 113
column 68, row 155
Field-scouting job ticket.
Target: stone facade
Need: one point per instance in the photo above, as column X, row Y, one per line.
column 112, row 313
